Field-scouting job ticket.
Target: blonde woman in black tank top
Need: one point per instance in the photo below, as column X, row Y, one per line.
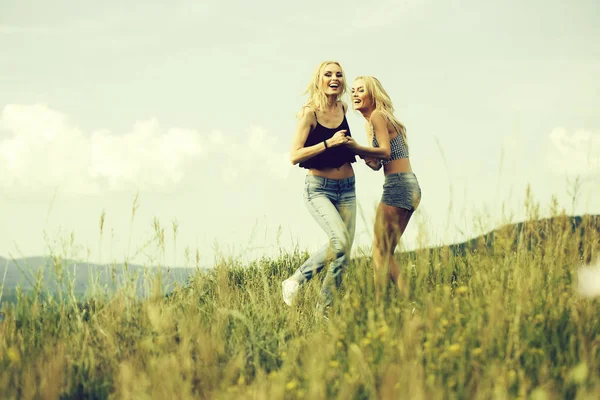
column 401, row 190
column 320, row 146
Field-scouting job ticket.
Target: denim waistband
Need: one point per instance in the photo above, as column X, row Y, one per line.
column 401, row 176
column 329, row 183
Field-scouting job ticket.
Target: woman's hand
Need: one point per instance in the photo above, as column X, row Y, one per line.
column 338, row 139
column 373, row 163
column 351, row 143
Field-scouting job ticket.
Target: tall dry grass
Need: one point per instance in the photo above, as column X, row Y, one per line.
column 495, row 320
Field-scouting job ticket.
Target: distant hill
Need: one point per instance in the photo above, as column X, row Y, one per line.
column 508, row 238
column 528, row 235
column 25, row 272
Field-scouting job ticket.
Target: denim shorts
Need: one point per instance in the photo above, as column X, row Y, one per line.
column 401, row 190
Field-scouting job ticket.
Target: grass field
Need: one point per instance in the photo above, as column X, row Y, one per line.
column 496, row 321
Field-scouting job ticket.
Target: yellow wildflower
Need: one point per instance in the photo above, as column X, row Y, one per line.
column 462, row 290
column 579, row 373
column 454, row 348
column 13, row 355
column 383, row 330
column 291, row 385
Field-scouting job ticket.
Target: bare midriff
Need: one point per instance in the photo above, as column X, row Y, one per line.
column 397, row 166
column 343, row 172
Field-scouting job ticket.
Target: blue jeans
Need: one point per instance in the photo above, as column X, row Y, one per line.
column 332, row 203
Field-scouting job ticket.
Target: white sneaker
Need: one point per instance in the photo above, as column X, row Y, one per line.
column 289, row 288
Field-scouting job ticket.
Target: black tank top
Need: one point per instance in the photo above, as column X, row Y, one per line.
column 333, row 157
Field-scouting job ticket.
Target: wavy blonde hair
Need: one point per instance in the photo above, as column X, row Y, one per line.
column 317, row 99
column 382, row 102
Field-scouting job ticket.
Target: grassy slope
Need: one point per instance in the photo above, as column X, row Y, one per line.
column 479, row 321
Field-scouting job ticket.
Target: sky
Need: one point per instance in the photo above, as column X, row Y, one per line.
column 172, row 121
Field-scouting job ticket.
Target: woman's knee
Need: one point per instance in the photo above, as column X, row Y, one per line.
column 341, row 244
column 341, row 251
column 382, row 243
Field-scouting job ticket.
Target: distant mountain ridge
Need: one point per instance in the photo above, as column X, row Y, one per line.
column 24, row 272
column 510, row 237
column 529, row 235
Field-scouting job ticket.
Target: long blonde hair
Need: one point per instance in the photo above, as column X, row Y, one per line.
column 382, row 102
column 317, row 99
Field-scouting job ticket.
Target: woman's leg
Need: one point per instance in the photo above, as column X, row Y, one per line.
column 390, row 224
column 341, row 246
column 322, row 202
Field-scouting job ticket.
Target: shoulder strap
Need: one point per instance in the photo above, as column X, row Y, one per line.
column 395, row 129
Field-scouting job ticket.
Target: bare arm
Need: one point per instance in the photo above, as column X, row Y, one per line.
column 299, row 153
column 380, row 131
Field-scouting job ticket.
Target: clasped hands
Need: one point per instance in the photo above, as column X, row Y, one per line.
column 340, row 139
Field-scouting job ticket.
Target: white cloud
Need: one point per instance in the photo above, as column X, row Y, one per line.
column 262, row 152
column 145, row 155
column 41, row 149
column 574, row 154
column 257, row 155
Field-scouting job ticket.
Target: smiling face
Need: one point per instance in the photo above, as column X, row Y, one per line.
column 332, row 80
column 361, row 99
